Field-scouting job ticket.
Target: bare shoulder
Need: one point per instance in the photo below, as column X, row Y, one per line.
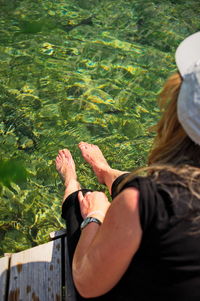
column 126, row 204
column 124, row 214
column 129, row 198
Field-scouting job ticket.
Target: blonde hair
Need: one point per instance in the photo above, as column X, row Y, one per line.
column 172, row 145
column 170, row 135
column 173, row 151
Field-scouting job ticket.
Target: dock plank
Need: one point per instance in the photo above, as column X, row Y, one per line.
column 36, row 275
column 4, row 265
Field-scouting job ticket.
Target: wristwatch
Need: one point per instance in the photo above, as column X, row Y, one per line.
column 89, row 220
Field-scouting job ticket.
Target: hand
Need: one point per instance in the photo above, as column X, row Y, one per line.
column 95, row 203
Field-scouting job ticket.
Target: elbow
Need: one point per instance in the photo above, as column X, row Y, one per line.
column 80, row 275
column 83, row 291
column 79, row 284
column 80, row 280
column 85, row 279
column 86, row 287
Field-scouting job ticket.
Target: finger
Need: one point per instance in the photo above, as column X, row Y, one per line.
column 80, row 196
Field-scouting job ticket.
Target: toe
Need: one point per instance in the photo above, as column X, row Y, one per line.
column 65, row 153
column 81, row 144
column 58, row 157
column 61, row 153
column 68, row 154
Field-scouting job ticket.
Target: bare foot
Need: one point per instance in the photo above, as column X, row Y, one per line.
column 66, row 168
column 93, row 155
column 65, row 165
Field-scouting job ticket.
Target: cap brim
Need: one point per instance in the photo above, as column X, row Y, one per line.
column 188, row 53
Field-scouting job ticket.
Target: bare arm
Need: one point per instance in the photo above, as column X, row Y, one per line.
column 104, row 252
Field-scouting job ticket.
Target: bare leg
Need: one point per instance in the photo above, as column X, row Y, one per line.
column 66, row 168
column 93, row 155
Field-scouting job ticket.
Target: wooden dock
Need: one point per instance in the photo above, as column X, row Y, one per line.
column 41, row 273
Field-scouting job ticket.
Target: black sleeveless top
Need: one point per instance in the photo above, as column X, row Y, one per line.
column 167, row 264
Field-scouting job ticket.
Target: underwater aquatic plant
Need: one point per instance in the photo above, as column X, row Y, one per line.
column 77, row 70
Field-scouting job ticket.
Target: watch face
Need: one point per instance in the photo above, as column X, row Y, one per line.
column 84, row 223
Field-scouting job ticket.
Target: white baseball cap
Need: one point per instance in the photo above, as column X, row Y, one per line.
column 188, row 53
column 188, row 105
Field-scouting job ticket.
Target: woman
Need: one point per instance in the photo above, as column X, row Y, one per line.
column 145, row 245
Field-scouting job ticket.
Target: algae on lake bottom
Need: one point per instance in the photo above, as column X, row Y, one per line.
column 86, row 70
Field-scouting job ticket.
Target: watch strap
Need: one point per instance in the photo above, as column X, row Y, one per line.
column 89, row 220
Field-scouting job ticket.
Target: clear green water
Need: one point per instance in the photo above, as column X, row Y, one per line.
column 77, row 70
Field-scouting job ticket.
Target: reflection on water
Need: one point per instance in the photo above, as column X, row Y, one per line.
column 78, row 70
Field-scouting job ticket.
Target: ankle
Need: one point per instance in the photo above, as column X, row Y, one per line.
column 110, row 176
column 70, row 187
column 71, row 182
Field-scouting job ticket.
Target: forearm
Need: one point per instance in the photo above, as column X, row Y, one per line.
column 88, row 234
column 80, row 264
